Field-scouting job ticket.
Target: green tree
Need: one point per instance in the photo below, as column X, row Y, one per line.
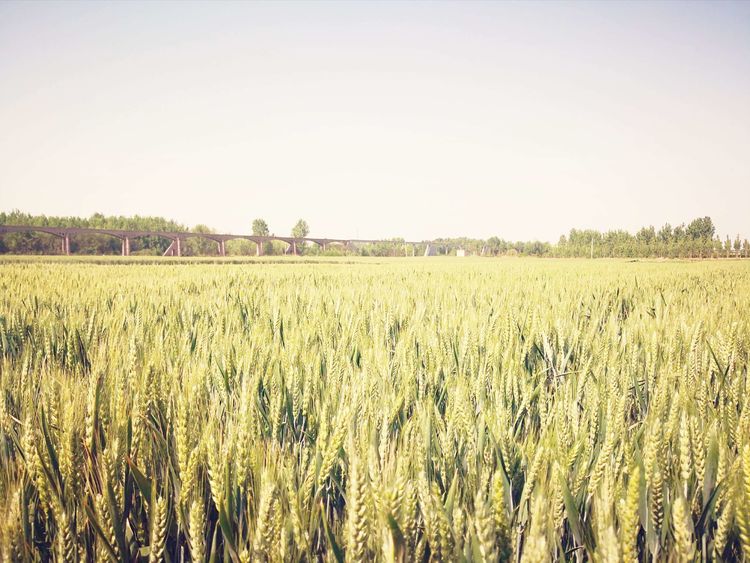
column 260, row 228
column 701, row 228
column 716, row 244
column 40, row 243
column 493, row 245
column 198, row 246
column 665, row 233
column 645, row 239
column 301, row 229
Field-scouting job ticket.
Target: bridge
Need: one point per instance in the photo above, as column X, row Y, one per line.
column 177, row 238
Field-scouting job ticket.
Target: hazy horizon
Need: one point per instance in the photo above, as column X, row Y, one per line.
column 377, row 120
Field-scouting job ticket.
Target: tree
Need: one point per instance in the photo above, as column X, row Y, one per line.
column 301, row 229
column 494, row 245
column 40, row 243
column 196, row 246
column 701, row 228
column 260, row 228
column 716, row 246
column 665, row 233
column 645, row 239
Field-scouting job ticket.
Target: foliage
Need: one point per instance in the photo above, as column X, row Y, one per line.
column 301, row 229
column 414, row 410
column 38, row 243
column 696, row 240
column 260, row 228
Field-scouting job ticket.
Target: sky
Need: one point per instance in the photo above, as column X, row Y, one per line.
column 380, row 119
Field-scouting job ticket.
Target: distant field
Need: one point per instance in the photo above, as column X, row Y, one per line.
column 374, row 409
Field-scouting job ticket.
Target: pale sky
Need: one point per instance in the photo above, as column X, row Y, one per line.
column 379, row 119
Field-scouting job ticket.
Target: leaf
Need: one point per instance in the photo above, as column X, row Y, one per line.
column 451, row 496
column 708, row 508
column 51, row 450
column 53, row 474
column 144, row 483
column 227, row 533
column 99, row 532
column 117, row 523
column 337, row 553
column 399, row 546
column 581, row 534
column 214, row 545
column 722, row 370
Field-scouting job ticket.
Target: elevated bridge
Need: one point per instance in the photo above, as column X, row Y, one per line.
column 177, row 238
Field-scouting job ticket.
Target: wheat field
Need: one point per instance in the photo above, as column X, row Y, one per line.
column 405, row 410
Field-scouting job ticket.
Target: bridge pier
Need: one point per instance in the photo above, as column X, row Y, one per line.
column 173, row 249
column 294, row 247
column 259, row 249
column 221, row 247
column 65, row 244
column 126, row 246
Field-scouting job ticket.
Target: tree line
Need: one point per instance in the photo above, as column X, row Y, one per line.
column 697, row 239
column 40, row 243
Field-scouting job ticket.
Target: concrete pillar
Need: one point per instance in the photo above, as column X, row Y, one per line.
column 220, row 247
column 66, row 244
column 126, row 246
column 177, row 245
column 294, row 247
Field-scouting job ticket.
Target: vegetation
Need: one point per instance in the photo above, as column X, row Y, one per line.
column 415, row 410
column 260, row 228
column 696, row 240
column 301, row 229
column 39, row 243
